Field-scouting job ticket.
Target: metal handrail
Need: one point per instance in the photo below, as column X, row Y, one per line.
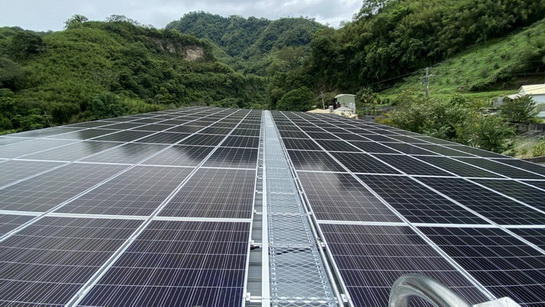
column 410, row 285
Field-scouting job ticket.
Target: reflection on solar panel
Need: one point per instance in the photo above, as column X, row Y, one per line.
column 225, row 207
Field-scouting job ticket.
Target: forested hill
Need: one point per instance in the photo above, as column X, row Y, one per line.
column 251, row 42
column 104, row 69
column 390, row 38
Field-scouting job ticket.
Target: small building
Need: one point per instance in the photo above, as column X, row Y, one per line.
column 537, row 91
column 347, row 101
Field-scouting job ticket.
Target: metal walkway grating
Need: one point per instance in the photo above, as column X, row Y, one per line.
column 297, row 274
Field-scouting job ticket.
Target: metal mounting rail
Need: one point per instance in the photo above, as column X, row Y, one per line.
column 411, row 285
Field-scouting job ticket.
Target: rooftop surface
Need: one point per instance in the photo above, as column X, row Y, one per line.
column 228, row 207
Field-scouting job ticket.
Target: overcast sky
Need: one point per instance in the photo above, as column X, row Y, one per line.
column 43, row 15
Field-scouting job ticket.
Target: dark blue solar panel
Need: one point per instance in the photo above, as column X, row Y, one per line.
column 502, row 263
column 215, row 193
column 337, row 196
column 49, row 261
column 371, row 258
column 178, row 263
column 499, row 209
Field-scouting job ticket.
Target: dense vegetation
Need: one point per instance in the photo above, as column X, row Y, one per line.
column 103, row 69
column 392, row 38
column 250, row 45
column 497, row 67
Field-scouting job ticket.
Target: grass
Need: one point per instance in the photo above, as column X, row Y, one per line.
column 496, row 68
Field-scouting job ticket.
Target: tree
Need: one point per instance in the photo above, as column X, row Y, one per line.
column 487, row 132
column 24, row 44
column 107, row 105
column 11, row 74
column 75, row 21
column 519, row 110
column 297, row 100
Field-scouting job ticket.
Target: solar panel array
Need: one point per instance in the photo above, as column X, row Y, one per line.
column 159, row 209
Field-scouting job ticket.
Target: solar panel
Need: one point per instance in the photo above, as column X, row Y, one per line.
column 46, row 191
column 417, row 203
column 138, row 191
column 14, row 170
column 501, row 262
column 337, row 196
column 228, row 207
column 51, row 259
column 10, row 222
column 172, row 263
column 371, row 258
column 215, row 193
column 492, row 205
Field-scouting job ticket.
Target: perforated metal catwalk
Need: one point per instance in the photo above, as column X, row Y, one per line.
column 162, row 209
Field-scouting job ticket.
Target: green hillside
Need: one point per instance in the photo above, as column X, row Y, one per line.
column 250, row 44
column 499, row 66
column 103, row 69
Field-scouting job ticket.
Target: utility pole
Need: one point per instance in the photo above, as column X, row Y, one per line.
column 427, row 81
column 323, row 103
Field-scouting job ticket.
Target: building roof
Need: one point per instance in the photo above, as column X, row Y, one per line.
column 534, row 89
column 229, row 207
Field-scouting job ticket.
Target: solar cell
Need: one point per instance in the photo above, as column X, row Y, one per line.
column 48, row 190
column 231, row 157
column 406, row 139
column 45, row 132
column 373, row 147
column 154, row 127
column 490, row 204
column 337, row 196
column 173, row 263
column 533, row 167
column 377, row 137
column 313, row 160
column 539, row 184
column 363, row 163
column 10, row 140
column 128, row 153
column 16, row 170
column 502, row 263
column 534, row 235
column 203, row 139
column 410, row 149
column 522, row 192
column 185, row 128
column 417, row 203
column 293, row 134
column 475, row 151
column 245, row 132
column 163, row 138
column 180, row 156
column 123, row 136
column 10, row 222
column 215, row 193
column 139, row 191
column 91, row 124
column 74, row 151
column 83, row 134
column 304, row 144
column 457, row 167
column 48, row 261
column 411, row 165
column 371, row 258
column 444, row 150
column 241, row 141
column 26, row 148
column 500, row 168
column 123, row 126
column 331, row 145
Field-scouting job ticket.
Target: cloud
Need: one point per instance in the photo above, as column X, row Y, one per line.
column 50, row 15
